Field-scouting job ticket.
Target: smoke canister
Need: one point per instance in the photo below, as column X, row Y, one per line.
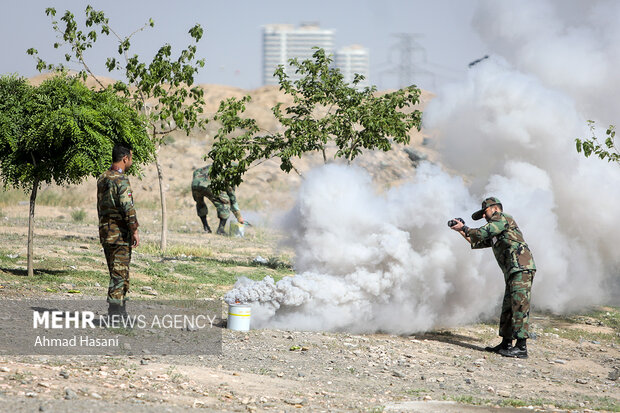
column 239, row 317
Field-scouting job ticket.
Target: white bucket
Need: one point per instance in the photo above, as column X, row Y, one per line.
column 239, row 317
column 236, row 229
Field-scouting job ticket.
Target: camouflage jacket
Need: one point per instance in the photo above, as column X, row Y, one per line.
column 201, row 181
column 503, row 235
column 117, row 216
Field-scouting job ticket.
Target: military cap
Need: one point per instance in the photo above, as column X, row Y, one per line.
column 485, row 204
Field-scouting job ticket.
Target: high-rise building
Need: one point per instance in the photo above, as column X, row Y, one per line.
column 282, row 42
column 351, row 60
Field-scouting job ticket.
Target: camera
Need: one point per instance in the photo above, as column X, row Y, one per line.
column 453, row 222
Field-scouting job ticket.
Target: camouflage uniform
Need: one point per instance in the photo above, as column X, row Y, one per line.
column 117, row 222
column 513, row 255
column 224, row 202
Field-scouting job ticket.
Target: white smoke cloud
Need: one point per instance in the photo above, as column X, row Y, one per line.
column 570, row 45
column 367, row 261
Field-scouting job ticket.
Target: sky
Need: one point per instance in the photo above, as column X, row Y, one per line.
column 232, row 44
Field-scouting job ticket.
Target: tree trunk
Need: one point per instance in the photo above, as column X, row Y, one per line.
column 164, row 214
column 33, row 198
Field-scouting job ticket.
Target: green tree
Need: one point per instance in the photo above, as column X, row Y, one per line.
column 325, row 111
column 162, row 89
column 592, row 145
column 62, row 131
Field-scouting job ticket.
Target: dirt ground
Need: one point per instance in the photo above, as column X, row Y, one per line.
column 273, row 370
column 574, row 361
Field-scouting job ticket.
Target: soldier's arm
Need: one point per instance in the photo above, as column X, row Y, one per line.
column 483, row 237
column 234, row 206
column 125, row 196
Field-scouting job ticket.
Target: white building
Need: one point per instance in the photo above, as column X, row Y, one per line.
column 353, row 59
column 282, row 42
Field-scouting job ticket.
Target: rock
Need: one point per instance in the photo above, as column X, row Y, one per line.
column 44, row 384
column 294, row 401
column 427, row 398
column 64, row 374
column 31, row 394
column 260, row 260
column 614, row 374
column 144, row 362
column 5, row 369
column 581, row 381
column 559, row 361
column 70, row 394
column 96, row 396
column 490, row 389
column 398, row 374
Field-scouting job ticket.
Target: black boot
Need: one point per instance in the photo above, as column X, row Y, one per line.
column 504, row 345
column 124, row 309
column 114, row 309
column 519, row 350
column 205, row 225
column 220, row 228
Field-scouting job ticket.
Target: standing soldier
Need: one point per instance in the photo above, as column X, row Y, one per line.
column 502, row 234
column 224, row 202
column 118, row 226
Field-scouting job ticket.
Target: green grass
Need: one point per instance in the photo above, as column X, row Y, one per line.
column 518, row 403
column 576, row 334
column 600, row 403
column 12, row 197
column 200, row 276
column 152, row 248
column 603, row 403
column 468, row 399
column 78, row 215
column 416, row 392
column 609, row 318
column 58, row 197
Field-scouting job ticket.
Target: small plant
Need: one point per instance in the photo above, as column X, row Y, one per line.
column 592, row 145
column 78, row 215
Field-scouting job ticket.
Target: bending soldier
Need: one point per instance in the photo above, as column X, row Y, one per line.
column 502, row 234
column 118, row 226
column 224, row 202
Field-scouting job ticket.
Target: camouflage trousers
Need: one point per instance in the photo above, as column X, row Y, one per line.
column 221, row 203
column 514, row 321
column 118, row 258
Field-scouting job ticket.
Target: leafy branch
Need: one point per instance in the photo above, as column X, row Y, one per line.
column 325, row 111
column 606, row 149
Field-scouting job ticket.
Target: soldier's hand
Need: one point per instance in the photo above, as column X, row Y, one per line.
column 136, row 239
column 241, row 220
column 458, row 226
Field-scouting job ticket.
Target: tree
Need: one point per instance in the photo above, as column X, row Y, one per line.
column 62, row 131
column 592, row 145
column 163, row 89
column 325, row 110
